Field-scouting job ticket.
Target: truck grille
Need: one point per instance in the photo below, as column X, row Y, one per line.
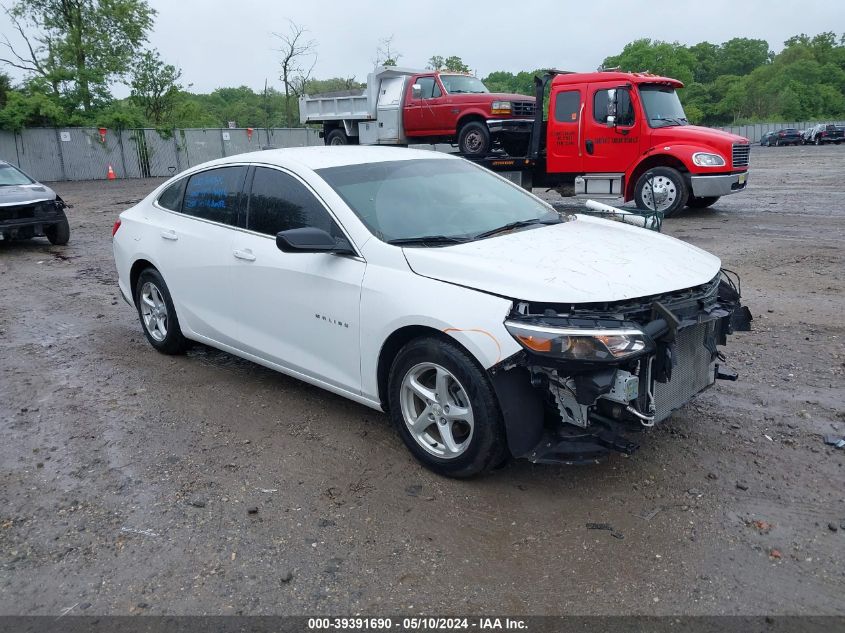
column 523, row 108
column 693, row 370
column 741, row 152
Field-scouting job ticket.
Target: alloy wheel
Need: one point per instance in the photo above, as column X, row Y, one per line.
column 154, row 311
column 437, row 410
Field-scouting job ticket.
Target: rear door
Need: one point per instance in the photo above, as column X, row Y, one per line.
column 297, row 310
column 193, row 236
column 611, row 149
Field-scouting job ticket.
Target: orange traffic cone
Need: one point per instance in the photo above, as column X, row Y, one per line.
column 111, row 175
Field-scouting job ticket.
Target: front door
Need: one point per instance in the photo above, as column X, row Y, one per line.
column 297, row 310
column 610, row 149
column 423, row 114
column 563, row 150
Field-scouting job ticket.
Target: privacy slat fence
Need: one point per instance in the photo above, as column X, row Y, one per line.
column 53, row 154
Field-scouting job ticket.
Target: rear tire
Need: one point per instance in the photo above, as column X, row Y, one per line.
column 157, row 314
column 701, row 203
column 672, row 190
column 59, row 233
column 474, row 139
column 430, row 376
column 337, row 137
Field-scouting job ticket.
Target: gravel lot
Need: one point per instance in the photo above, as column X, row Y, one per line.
column 132, row 482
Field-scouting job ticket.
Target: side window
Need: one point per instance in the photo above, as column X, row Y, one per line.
column 279, row 202
column 567, row 105
column 427, row 84
column 624, row 107
column 436, row 92
column 171, row 198
column 214, row 194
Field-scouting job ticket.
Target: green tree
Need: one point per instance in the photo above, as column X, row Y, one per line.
column 436, row 62
column 79, row 47
column 456, row 64
column 5, row 88
column 155, row 87
column 24, row 109
column 662, row 58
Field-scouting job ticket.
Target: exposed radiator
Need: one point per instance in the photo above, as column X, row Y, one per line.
column 693, row 370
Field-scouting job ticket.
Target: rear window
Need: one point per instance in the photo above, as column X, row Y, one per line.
column 171, row 198
column 215, row 194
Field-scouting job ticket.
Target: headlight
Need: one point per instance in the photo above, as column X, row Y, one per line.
column 501, row 107
column 577, row 343
column 703, row 159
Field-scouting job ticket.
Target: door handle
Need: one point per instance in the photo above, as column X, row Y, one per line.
column 170, row 235
column 244, row 254
column 589, row 145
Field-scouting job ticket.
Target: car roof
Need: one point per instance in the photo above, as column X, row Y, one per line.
column 320, row 157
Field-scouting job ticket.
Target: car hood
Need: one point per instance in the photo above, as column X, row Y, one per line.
column 582, row 261
column 22, row 194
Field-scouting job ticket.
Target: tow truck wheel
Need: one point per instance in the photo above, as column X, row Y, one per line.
column 474, row 139
column 337, row 137
column 669, row 190
column 59, row 233
column 701, row 203
column 445, row 410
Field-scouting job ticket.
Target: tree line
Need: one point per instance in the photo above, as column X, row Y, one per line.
column 73, row 51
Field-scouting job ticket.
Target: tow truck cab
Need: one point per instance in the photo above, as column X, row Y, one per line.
column 611, row 134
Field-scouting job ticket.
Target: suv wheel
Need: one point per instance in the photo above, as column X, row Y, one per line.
column 444, row 408
column 59, row 233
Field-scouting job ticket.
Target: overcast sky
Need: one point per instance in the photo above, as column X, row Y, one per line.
column 229, row 43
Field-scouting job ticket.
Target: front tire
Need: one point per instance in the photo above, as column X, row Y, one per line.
column 474, row 139
column 59, row 233
column 157, row 314
column 445, row 410
column 701, row 203
column 670, row 190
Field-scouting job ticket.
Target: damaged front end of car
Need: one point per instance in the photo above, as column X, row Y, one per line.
column 591, row 374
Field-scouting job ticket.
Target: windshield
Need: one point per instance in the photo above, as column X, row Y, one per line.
column 455, row 84
column 662, row 106
column 11, row 176
column 434, row 201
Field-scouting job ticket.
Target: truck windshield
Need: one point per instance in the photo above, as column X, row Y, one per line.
column 456, row 84
column 435, row 202
column 10, row 176
column 662, row 106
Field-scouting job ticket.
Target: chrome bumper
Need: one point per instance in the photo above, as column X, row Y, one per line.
column 717, row 186
column 510, row 125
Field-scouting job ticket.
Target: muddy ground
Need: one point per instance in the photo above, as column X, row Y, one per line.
column 127, row 478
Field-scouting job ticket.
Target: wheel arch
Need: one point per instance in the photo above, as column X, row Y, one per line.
column 395, row 342
column 650, row 162
column 468, row 117
column 139, row 266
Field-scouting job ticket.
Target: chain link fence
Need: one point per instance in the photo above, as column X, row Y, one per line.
column 53, row 154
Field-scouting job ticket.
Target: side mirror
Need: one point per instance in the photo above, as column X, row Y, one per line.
column 611, row 107
column 416, row 91
column 311, row 240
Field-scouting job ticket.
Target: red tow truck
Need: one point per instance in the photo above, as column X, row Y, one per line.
column 608, row 134
column 613, row 134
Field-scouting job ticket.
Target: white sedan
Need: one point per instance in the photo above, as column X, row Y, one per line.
column 487, row 324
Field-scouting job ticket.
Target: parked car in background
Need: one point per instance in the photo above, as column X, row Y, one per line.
column 486, row 323
column 768, row 139
column 29, row 209
column 825, row 133
column 786, row 136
